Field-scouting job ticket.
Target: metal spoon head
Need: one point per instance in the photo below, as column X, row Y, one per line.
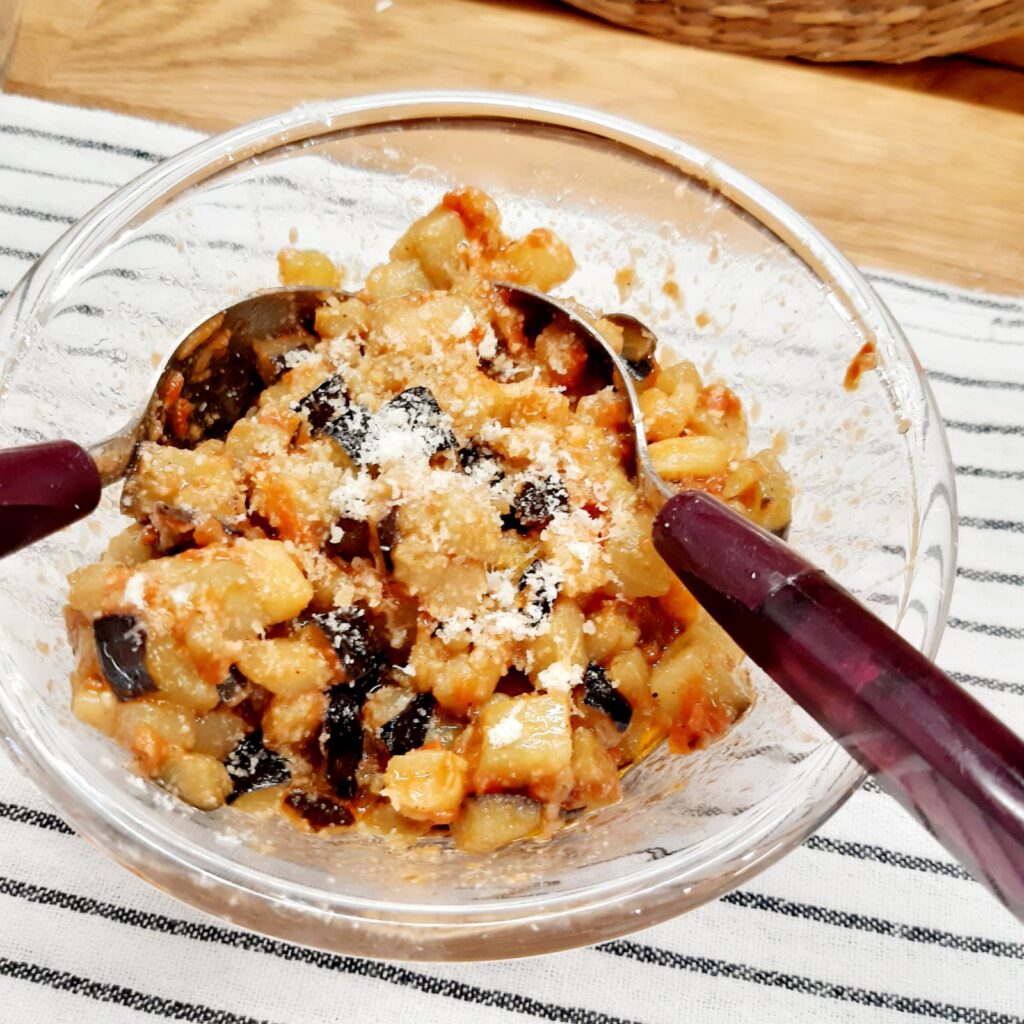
column 639, row 343
column 642, row 341
column 214, row 376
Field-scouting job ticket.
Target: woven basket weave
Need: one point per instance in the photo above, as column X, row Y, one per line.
column 822, row 30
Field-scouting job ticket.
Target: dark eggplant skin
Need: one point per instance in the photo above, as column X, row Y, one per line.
column 538, row 601
column 252, row 766
column 323, row 403
column 408, row 729
column 341, row 738
column 341, row 741
column 514, row 683
column 640, row 369
column 353, row 637
column 600, row 694
column 352, row 430
column 234, row 689
column 425, row 417
column 388, row 535
column 329, row 410
column 121, row 650
column 476, row 454
column 174, row 527
column 318, row 811
column 355, row 540
column 535, row 505
column 372, row 679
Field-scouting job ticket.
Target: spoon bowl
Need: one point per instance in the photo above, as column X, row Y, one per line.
column 210, row 380
column 214, row 375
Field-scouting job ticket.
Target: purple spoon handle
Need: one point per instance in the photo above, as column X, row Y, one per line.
column 953, row 765
column 44, row 488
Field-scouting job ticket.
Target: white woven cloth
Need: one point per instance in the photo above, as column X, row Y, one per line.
column 869, row 921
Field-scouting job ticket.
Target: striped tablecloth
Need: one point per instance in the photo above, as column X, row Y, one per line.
column 869, row 921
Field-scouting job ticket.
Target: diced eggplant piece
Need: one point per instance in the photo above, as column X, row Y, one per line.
column 353, row 637
column 514, row 683
column 600, row 694
column 408, row 729
column 318, row 811
column 472, row 454
column 330, row 411
column 539, row 591
column 174, row 527
column 424, row 416
column 353, row 539
column 388, row 536
column 482, row 462
column 536, row 504
column 252, row 766
column 254, row 706
column 121, row 649
column 640, row 369
column 234, row 689
column 372, row 679
column 324, row 403
column 341, row 741
column 273, row 355
column 352, row 429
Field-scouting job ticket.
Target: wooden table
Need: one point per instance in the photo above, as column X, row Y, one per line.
column 918, row 169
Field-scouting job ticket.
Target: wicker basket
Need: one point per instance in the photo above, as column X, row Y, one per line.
column 822, row 30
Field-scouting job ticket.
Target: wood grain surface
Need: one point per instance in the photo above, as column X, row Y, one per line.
column 917, row 168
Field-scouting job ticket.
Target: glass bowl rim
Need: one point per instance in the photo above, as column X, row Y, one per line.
column 50, row 278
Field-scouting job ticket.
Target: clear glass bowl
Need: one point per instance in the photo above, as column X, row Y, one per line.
column 724, row 271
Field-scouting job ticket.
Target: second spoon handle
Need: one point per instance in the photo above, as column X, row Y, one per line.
column 950, row 762
column 43, row 488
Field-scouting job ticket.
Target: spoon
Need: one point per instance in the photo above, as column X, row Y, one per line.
column 953, row 765
column 208, row 383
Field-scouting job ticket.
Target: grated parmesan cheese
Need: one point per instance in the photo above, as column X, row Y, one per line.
column 297, row 356
column 352, row 498
column 488, row 347
column 492, row 430
column 501, row 587
column 574, row 542
column 584, row 551
column 463, row 323
column 507, row 731
column 560, row 677
column 134, row 590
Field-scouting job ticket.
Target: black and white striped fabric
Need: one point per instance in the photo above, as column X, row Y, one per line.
column 869, row 921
